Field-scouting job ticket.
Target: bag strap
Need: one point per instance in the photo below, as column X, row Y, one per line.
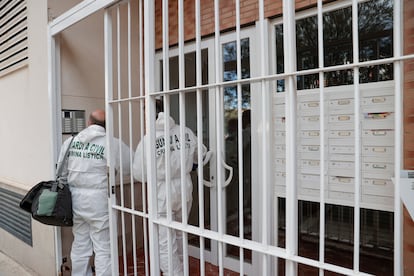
column 65, row 158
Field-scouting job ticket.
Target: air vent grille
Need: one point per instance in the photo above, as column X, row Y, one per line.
column 13, row 219
column 13, row 35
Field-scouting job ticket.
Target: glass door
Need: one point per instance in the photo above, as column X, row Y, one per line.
column 208, row 203
column 231, row 120
column 235, row 117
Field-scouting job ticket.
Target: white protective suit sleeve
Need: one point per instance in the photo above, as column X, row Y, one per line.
column 124, row 152
column 204, row 154
column 139, row 167
column 63, row 149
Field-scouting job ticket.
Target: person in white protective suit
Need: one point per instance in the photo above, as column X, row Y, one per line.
column 86, row 172
column 139, row 172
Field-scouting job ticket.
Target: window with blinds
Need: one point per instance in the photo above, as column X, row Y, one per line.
column 13, row 35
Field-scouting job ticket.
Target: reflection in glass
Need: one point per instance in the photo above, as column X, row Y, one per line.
column 230, row 74
column 375, row 32
column 231, row 125
column 307, row 51
column 280, row 60
column 337, row 36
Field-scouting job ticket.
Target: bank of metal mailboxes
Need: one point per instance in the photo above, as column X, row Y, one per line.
column 376, row 143
column 73, row 121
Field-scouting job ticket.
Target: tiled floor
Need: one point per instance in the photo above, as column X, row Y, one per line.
column 10, row 267
column 210, row 270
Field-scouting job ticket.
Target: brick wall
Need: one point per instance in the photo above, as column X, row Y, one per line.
column 249, row 13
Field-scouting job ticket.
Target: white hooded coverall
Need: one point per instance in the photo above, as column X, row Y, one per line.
column 139, row 171
column 87, row 177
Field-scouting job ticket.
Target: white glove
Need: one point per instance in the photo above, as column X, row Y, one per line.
column 207, row 157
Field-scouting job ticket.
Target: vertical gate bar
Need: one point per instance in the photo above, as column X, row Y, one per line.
column 200, row 176
column 398, row 77
column 166, row 87
column 266, row 118
column 166, row 102
column 240, row 136
column 130, row 118
column 142, row 132
column 167, row 164
column 199, row 134
column 182, row 95
column 322, row 139
column 109, row 129
column 149, row 72
column 219, row 137
column 291, row 159
column 357, row 116
column 183, row 189
column 275, row 205
column 119, row 88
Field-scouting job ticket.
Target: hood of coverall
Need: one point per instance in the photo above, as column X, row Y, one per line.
column 160, row 122
column 92, row 132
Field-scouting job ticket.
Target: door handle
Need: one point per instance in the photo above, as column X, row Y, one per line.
column 206, row 159
column 230, row 169
column 227, row 167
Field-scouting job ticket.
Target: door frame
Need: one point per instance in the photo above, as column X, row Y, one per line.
column 256, row 105
column 209, row 256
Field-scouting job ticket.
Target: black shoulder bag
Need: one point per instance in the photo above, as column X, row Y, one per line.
column 50, row 202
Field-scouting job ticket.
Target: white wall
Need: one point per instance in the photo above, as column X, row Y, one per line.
column 25, row 147
column 24, row 124
column 82, row 59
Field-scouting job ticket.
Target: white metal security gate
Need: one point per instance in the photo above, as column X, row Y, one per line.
column 253, row 223
column 220, row 111
column 208, row 109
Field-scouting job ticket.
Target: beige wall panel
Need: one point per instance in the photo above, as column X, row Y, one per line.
column 25, row 136
column 25, row 123
column 82, row 59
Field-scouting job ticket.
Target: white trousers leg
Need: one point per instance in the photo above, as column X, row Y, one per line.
column 176, row 243
column 99, row 233
column 89, row 238
column 101, row 246
column 81, row 250
column 177, row 267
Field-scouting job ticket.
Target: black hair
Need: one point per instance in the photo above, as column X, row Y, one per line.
column 159, row 106
column 246, row 118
